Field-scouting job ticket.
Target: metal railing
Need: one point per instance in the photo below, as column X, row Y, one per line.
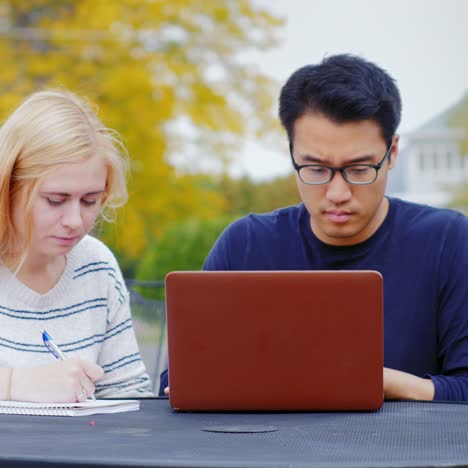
column 149, row 319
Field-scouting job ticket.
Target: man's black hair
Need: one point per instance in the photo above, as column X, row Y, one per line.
column 343, row 88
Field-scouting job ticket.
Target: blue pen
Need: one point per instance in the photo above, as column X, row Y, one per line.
column 55, row 350
column 51, row 346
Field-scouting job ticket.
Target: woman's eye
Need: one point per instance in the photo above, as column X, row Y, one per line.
column 88, row 202
column 52, row 202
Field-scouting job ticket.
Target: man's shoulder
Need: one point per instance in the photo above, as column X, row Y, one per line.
column 428, row 222
column 258, row 241
column 262, row 230
column 425, row 214
column 289, row 215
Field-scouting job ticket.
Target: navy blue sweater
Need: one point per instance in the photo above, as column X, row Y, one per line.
column 422, row 254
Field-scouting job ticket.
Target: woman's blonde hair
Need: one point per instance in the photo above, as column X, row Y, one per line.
column 48, row 129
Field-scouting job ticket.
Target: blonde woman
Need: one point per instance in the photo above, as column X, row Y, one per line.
column 60, row 169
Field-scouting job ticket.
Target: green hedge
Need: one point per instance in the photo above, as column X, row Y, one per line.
column 183, row 245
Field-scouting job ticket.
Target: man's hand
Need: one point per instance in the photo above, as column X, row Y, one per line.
column 64, row 381
column 400, row 385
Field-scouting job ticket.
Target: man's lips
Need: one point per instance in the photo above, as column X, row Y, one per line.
column 338, row 216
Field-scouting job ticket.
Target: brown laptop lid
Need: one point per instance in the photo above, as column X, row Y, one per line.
column 275, row 340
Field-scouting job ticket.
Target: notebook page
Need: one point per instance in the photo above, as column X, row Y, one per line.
column 68, row 409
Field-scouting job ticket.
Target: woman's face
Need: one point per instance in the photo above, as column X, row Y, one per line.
column 64, row 208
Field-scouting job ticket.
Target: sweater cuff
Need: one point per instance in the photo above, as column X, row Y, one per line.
column 450, row 387
column 439, row 391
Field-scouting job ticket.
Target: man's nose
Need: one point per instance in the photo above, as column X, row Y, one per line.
column 338, row 190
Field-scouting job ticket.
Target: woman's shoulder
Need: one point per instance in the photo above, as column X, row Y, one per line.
column 92, row 250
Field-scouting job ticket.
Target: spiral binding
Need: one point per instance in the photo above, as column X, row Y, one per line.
column 28, row 411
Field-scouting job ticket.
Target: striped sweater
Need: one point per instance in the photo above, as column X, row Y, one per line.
column 88, row 315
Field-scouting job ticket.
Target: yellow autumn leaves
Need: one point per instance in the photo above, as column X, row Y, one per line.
column 165, row 74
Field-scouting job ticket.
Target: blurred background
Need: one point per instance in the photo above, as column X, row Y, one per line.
column 192, row 88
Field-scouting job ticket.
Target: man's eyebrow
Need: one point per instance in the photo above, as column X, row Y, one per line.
column 307, row 158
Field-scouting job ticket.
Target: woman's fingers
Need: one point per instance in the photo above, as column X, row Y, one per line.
column 69, row 380
column 86, row 390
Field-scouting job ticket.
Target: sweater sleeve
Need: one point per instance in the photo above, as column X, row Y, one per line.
column 452, row 383
column 124, row 371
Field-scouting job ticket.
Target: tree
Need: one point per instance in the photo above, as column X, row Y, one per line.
column 183, row 245
column 246, row 196
column 458, row 119
column 165, row 74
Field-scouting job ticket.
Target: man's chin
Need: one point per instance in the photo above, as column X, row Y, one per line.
column 337, row 234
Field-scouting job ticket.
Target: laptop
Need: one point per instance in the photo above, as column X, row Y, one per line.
column 275, row 340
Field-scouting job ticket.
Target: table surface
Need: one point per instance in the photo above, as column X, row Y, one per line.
column 399, row 434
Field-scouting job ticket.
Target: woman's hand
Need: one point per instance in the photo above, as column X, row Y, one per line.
column 66, row 381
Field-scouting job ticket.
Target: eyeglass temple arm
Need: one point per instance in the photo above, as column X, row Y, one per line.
column 294, row 163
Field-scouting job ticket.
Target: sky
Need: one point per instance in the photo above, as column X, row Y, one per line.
column 423, row 44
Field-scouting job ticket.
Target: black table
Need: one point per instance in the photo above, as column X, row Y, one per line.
column 399, row 434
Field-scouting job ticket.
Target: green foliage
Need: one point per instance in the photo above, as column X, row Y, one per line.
column 245, row 196
column 183, row 245
column 460, row 201
column 459, row 120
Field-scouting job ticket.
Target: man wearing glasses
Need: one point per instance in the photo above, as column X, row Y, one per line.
column 341, row 118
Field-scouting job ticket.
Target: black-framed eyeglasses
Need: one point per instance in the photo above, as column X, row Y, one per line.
column 356, row 174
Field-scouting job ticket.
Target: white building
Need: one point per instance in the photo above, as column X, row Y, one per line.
column 431, row 165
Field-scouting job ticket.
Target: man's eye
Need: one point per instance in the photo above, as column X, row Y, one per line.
column 317, row 170
column 358, row 170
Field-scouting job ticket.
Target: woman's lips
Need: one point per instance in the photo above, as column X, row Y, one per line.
column 65, row 240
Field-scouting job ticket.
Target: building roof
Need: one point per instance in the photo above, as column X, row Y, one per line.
column 441, row 126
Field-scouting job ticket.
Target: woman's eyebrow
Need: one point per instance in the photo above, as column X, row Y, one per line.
column 65, row 194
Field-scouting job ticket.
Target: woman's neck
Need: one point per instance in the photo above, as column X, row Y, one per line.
column 40, row 274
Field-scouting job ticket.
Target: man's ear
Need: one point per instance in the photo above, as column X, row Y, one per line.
column 392, row 160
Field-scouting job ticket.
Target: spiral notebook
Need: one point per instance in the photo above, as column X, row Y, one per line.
column 85, row 408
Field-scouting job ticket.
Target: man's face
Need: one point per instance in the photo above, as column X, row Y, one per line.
column 342, row 213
